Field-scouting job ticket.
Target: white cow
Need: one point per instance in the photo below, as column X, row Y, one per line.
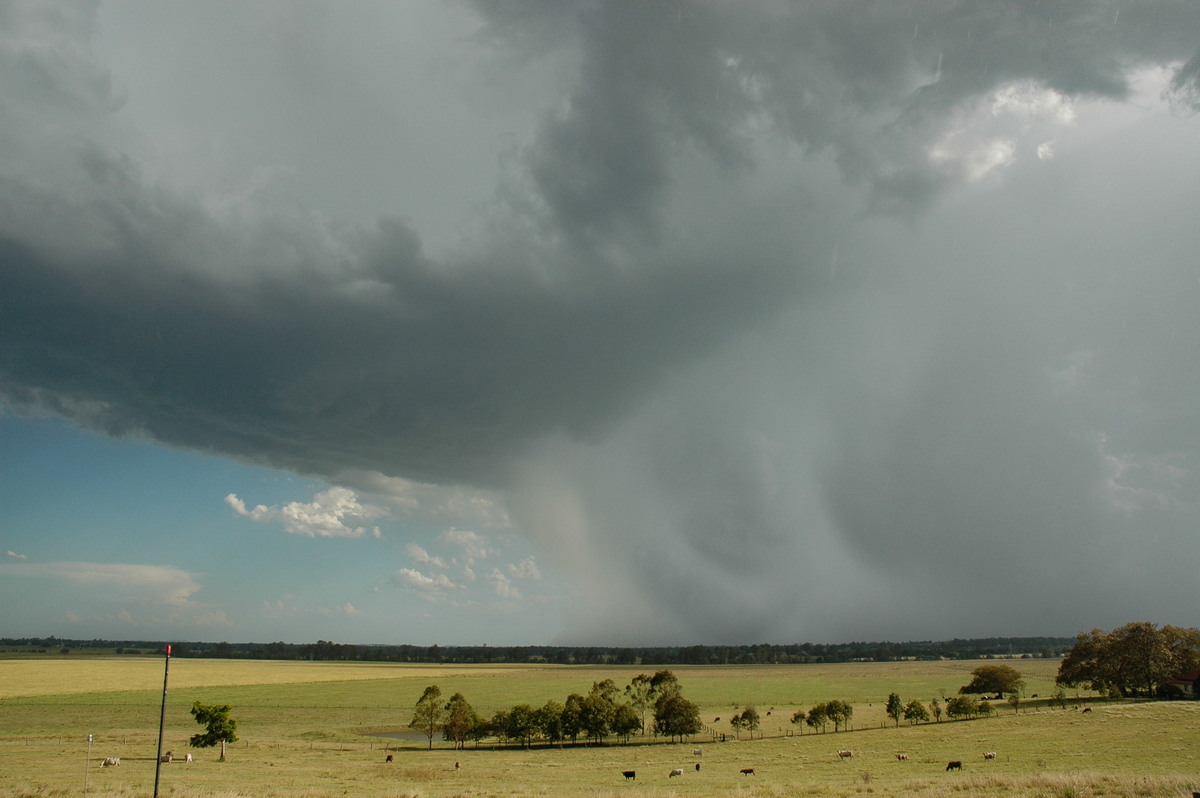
column 902, row 757
column 675, row 772
column 697, row 752
column 990, row 755
column 189, row 758
column 843, row 754
column 111, row 762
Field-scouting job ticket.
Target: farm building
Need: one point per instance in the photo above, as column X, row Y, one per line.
column 1184, row 686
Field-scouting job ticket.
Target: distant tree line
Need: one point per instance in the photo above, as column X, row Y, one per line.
column 763, row 653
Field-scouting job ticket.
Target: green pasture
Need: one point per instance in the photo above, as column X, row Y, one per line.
column 306, row 730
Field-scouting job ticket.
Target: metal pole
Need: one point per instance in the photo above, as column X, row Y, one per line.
column 162, row 720
column 87, row 763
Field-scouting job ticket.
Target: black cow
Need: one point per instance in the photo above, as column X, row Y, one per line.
column 629, row 774
column 954, row 765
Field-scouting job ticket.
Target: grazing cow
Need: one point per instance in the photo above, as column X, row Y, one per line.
column 1087, row 709
column 165, row 758
column 458, row 765
column 845, row 754
column 187, row 758
column 697, row 752
column 990, row 755
column 675, row 772
column 111, row 762
column 902, row 757
column 697, row 767
column 747, row 771
column 1034, row 695
column 954, row 765
column 387, row 758
column 629, row 774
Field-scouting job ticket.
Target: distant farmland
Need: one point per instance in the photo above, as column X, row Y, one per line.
column 308, row 729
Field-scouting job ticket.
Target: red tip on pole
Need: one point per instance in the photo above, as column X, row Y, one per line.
column 168, row 650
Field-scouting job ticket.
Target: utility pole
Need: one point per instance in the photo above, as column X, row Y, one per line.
column 162, row 720
column 86, row 764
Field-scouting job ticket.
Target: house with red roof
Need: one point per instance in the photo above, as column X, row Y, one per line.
column 1185, row 686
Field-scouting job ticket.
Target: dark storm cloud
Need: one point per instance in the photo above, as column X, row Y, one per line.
column 717, row 388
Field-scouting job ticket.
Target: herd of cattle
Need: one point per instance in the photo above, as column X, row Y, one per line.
column 844, row 754
column 167, row 758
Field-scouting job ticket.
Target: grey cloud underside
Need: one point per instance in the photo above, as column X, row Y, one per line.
column 677, row 314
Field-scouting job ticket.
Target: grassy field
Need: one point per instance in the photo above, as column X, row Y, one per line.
column 305, row 727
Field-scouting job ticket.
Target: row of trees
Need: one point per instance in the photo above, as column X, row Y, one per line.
column 1133, row 660
column 647, row 656
column 604, row 712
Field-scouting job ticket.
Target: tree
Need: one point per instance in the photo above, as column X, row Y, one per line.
column 915, row 712
column 798, row 717
column 625, row 721
column 998, row 679
column 817, row 717
column 840, row 713
column 750, row 720
column 963, row 706
column 550, row 721
column 936, row 708
column 675, row 716
column 220, row 728
column 894, row 708
column 521, row 723
column 572, row 717
column 428, row 715
column 641, row 696
column 461, row 720
column 1130, row 661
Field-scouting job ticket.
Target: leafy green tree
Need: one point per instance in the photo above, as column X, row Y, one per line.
column 750, row 720
column 1014, row 701
column 219, row 727
column 499, row 725
column 625, row 721
column 998, row 679
column 961, row 706
column 1132, row 660
column 521, row 724
column 894, row 708
column 429, row 713
column 798, row 717
column 572, row 717
column 597, row 714
column 818, row 717
column 675, row 716
column 915, row 712
column 550, row 721
column 641, row 696
column 461, row 720
column 840, row 713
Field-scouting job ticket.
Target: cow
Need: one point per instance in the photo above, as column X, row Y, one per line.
column 747, row 771
column 629, row 774
column 697, row 767
column 990, row 755
column 675, row 772
column 388, row 758
column 902, row 757
column 844, row 754
column 111, row 762
column 188, row 758
column 954, row 765
column 1087, row 709
column 697, row 752
column 165, row 758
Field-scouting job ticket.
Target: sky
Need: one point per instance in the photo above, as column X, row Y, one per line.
column 608, row 323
